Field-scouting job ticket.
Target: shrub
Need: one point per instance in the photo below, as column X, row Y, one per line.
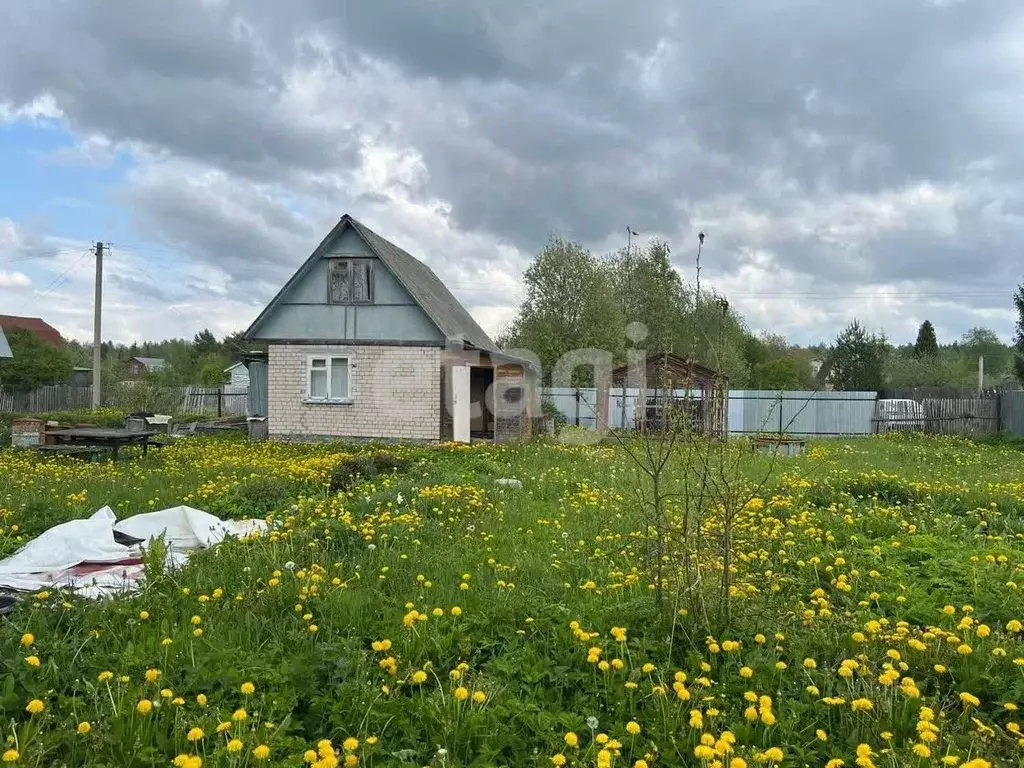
column 259, row 495
column 364, row 467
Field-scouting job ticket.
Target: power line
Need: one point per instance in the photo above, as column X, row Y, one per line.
column 57, row 282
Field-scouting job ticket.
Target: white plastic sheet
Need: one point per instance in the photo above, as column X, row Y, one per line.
column 83, row 554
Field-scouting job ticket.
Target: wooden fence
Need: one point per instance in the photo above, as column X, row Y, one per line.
column 188, row 401
column 961, row 415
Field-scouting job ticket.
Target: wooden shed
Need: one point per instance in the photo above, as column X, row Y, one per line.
column 668, row 391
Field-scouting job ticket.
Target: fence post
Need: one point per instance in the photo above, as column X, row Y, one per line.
column 220, row 399
column 780, row 414
column 577, row 393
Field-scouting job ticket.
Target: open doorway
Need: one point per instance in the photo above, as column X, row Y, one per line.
column 481, row 403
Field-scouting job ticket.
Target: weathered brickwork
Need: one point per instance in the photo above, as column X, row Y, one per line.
column 395, row 394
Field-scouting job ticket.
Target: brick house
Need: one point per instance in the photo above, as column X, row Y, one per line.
column 364, row 341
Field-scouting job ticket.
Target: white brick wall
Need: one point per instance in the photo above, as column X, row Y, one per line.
column 396, row 393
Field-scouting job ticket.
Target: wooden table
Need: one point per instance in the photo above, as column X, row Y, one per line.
column 100, row 437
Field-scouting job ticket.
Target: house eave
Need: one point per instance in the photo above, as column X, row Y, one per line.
column 355, row 343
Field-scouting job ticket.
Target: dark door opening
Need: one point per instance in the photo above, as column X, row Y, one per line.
column 481, row 403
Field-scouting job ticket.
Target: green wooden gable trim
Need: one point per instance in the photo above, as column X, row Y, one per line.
column 425, row 288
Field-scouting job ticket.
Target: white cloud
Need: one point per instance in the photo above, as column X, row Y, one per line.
column 14, row 280
column 43, row 107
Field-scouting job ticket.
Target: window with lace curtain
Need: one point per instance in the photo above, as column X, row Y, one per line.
column 350, row 281
column 327, row 378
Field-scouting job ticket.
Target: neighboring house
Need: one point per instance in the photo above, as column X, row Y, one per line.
column 81, row 377
column 365, row 341
column 5, row 348
column 35, row 325
column 238, row 375
column 140, row 366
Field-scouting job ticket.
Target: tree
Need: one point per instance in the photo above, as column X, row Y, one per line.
column 905, row 368
column 1018, row 339
column 570, row 304
column 211, row 371
column 858, row 359
column 984, row 342
column 649, row 290
column 204, row 343
column 34, row 364
column 780, row 373
column 926, row 345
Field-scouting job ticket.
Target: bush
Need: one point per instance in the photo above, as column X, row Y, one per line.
column 258, row 496
column 364, row 467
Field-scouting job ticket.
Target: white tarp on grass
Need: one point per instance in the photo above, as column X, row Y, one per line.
column 83, row 555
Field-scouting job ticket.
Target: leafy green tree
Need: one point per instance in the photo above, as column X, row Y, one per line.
column 984, row 342
column 649, row 290
column 35, row 363
column 211, row 370
column 905, row 368
column 926, row 345
column 204, row 343
column 780, row 373
column 858, row 359
column 1018, row 339
column 570, row 304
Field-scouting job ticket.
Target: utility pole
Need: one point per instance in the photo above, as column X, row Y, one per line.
column 700, row 246
column 981, row 374
column 96, row 334
column 629, row 266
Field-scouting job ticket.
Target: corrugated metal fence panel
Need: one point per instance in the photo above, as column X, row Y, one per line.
column 801, row 413
column 1011, row 412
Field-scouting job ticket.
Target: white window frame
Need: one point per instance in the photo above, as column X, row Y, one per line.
column 328, row 358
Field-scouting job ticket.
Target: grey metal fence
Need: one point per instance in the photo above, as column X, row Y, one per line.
column 801, row 413
column 817, row 413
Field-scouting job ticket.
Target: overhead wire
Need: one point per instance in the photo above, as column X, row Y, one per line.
column 57, row 282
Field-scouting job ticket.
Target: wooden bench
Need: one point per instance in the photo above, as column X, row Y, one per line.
column 83, row 451
column 779, row 446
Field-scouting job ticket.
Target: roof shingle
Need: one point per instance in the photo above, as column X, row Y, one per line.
column 35, row 325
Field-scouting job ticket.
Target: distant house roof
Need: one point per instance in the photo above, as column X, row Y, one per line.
column 35, row 325
column 426, row 289
column 151, row 363
column 233, row 366
column 5, row 348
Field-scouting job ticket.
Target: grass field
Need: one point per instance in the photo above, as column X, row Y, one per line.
column 431, row 617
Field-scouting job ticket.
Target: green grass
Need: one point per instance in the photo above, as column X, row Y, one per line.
column 853, row 539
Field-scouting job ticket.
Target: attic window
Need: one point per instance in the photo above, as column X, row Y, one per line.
column 350, row 281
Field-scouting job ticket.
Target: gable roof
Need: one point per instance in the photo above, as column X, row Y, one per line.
column 35, row 325
column 5, row 348
column 236, row 365
column 151, row 363
column 426, row 289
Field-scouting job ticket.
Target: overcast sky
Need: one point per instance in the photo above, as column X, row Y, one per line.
column 845, row 158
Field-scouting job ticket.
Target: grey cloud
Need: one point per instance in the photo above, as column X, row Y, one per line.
column 137, row 287
column 790, row 126
column 220, row 221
